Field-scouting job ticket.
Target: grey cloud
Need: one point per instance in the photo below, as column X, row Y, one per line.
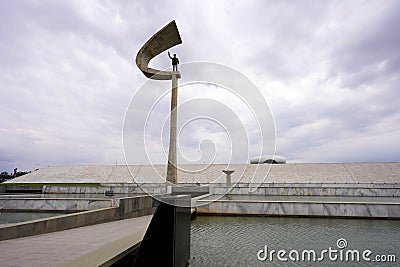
column 67, row 73
column 370, row 52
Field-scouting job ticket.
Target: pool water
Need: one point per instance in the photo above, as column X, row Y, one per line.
column 7, row 217
column 235, row 241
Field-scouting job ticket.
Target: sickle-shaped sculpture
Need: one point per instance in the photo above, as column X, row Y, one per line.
column 164, row 39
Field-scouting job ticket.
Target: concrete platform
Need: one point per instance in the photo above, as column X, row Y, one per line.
column 85, row 246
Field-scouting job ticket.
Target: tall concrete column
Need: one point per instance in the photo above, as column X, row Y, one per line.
column 161, row 41
column 172, row 172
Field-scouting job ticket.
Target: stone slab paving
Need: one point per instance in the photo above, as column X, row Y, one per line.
column 57, row 248
column 384, row 172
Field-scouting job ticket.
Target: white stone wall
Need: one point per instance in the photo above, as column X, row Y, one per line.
column 308, row 209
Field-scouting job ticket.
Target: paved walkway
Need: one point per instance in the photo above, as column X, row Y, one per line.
column 57, row 248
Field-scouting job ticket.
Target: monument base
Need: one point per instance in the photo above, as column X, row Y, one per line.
column 167, row 239
column 193, row 191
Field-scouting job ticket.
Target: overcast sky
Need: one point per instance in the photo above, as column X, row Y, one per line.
column 330, row 71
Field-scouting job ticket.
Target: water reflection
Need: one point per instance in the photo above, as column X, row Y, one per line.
column 235, row 241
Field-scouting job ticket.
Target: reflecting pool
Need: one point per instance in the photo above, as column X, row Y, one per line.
column 240, row 241
column 15, row 217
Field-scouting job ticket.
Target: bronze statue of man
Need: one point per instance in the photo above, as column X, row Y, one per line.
column 175, row 62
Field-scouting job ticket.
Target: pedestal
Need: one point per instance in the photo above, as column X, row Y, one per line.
column 228, row 177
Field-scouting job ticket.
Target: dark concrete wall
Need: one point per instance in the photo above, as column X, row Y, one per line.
column 167, row 240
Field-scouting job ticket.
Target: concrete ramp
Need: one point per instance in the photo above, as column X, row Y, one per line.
column 96, row 245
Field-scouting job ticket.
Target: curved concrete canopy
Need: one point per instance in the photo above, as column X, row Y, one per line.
column 268, row 159
column 164, row 39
